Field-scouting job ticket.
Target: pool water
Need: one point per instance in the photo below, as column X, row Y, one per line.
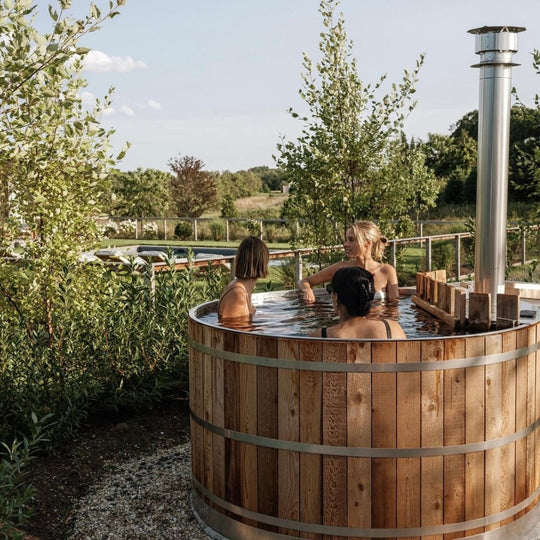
column 286, row 313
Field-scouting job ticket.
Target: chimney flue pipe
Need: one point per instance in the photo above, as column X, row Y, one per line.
column 495, row 45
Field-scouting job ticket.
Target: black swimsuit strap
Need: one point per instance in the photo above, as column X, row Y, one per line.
column 323, row 332
column 388, row 330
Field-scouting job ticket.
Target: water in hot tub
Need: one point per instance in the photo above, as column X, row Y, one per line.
column 286, row 313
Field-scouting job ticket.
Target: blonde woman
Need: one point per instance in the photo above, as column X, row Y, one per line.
column 251, row 263
column 364, row 246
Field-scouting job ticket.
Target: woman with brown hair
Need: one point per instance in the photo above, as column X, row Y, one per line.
column 364, row 246
column 250, row 263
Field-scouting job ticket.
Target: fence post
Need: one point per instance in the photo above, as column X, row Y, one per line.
column 165, row 228
column 428, row 254
column 458, row 256
column 136, row 228
column 195, row 230
column 523, row 246
column 261, row 229
column 394, row 254
column 297, row 266
column 227, row 229
column 297, row 228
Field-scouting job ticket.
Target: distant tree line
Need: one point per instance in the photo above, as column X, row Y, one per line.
column 453, row 158
column 188, row 190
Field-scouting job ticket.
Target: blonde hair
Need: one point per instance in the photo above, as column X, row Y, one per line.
column 251, row 259
column 367, row 231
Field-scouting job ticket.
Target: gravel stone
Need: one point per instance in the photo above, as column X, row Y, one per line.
column 144, row 498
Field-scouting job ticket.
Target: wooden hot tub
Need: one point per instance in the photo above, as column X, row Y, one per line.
column 318, row 438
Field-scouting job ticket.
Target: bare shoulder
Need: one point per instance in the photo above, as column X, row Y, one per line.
column 397, row 331
column 388, row 270
column 233, row 303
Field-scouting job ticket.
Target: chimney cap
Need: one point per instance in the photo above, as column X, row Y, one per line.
column 486, row 29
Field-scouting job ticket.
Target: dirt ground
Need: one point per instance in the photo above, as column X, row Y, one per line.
column 103, row 442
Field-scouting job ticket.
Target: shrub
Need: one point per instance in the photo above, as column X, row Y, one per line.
column 183, row 230
column 128, row 227
column 108, row 229
column 150, row 229
column 443, row 255
column 217, row 230
column 15, row 493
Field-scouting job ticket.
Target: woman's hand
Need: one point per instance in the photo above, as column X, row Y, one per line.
column 307, row 291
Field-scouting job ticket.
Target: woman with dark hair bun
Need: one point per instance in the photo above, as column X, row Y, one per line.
column 352, row 290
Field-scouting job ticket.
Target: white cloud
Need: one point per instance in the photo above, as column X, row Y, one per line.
column 100, row 62
column 88, row 98
column 154, row 104
column 108, row 111
column 128, row 111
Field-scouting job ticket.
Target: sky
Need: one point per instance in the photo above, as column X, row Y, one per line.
column 214, row 79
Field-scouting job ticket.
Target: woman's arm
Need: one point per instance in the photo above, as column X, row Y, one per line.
column 326, row 274
column 392, row 289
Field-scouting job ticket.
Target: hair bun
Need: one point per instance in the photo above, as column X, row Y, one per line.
column 367, row 288
column 383, row 239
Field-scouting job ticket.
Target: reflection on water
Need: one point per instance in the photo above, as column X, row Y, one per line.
column 287, row 314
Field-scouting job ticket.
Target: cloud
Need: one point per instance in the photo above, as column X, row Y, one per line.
column 109, row 111
column 100, row 62
column 88, row 98
column 154, row 104
column 128, row 111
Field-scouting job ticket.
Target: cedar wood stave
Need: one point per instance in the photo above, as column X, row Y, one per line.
column 368, row 410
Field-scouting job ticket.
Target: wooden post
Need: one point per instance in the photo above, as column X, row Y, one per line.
column 165, row 228
column 195, row 235
column 297, row 266
column 523, row 246
column 428, row 253
column 460, row 303
column 227, row 229
column 479, row 311
column 507, row 311
column 136, row 229
column 458, row 256
column 261, row 229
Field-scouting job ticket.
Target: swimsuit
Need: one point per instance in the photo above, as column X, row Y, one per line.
column 380, row 296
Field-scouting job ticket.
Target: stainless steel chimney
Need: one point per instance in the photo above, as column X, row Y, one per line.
column 495, row 45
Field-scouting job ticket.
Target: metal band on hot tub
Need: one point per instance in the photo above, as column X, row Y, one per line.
column 367, row 532
column 363, row 451
column 341, row 367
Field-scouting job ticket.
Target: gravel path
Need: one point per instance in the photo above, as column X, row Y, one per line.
column 133, row 502
column 149, row 498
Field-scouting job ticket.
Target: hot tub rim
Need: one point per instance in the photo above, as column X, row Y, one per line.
column 194, row 315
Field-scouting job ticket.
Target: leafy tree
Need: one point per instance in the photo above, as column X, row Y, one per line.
column 407, row 181
column 193, row 191
column 140, row 193
column 336, row 165
column 453, row 157
column 528, row 153
column 228, row 210
column 239, row 184
column 273, row 179
column 54, row 156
